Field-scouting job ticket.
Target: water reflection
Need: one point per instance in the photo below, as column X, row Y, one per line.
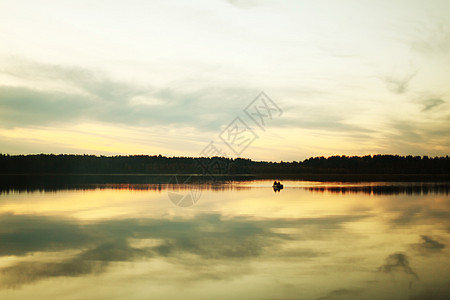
column 410, row 189
column 49, row 183
column 241, row 241
column 53, row 183
column 206, row 236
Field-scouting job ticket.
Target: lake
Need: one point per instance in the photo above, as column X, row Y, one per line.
column 227, row 240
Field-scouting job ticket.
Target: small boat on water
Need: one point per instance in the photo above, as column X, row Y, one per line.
column 277, row 186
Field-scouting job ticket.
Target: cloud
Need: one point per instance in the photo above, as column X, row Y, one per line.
column 59, row 94
column 428, row 245
column 54, row 94
column 397, row 262
column 116, row 250
column 431, row 103
column 432, row 40
column 415, row 135
column 398, row 85
column 28, row 272
column 24, row 107
column 341, row 294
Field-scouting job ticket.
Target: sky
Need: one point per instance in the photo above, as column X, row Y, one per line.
column 170, row 77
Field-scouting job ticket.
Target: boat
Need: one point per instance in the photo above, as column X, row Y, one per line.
column 277, row 186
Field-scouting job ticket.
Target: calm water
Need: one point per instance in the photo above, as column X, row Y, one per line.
column 240, row 240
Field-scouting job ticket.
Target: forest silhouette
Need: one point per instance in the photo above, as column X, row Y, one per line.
column 157, row 164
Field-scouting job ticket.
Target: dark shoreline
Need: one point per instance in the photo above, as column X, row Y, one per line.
column 336, row 168
column 164, row 178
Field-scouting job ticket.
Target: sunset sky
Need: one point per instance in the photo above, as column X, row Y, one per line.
column 167, row 77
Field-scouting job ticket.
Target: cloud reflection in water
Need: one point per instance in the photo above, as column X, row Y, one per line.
column 348, row 243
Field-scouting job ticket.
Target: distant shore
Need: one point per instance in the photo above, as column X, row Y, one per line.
column 25, row 180
column 164, row 178
column 334, row 168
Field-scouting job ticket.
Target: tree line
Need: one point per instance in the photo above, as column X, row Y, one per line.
column 158, row 164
